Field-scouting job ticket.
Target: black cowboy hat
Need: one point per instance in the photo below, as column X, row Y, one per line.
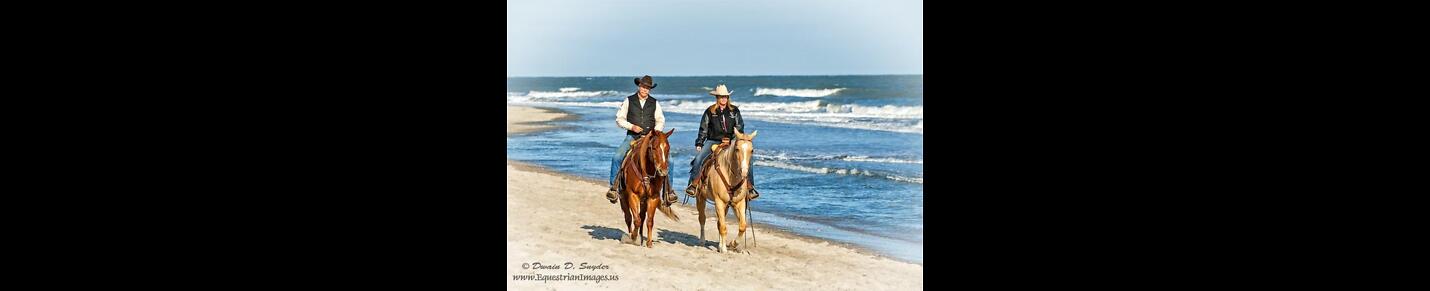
column 645, row 81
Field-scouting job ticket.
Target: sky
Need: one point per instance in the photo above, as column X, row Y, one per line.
column 713, row 38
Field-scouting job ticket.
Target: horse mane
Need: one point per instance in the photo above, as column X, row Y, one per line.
column 638, row 150
column 727, row 157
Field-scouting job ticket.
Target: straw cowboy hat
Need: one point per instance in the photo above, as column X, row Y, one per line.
column 720, row 91
column 645, row 81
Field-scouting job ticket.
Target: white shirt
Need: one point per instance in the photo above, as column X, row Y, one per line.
column 621, row 116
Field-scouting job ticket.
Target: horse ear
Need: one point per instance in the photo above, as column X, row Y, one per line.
column 672, row 130
column 752, row 135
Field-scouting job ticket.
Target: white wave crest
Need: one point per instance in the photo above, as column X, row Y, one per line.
column 905, row 179
column 569, row 89
column 569, row 94
column 879, row 160
column 852, row 158
column 885, row 111
column 809, row 93
column 836, row 171
column 906, row 119
column 789, row 166
column 807, row 106
column 816, row 106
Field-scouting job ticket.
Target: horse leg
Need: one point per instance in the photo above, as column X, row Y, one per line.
column 720, row 208
column 633, row 206
column 651, row 204
column 740, row 214
column 700, row 207
column 630, row 228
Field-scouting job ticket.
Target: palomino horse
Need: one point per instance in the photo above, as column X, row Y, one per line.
column 643, row 177
column 727, row 184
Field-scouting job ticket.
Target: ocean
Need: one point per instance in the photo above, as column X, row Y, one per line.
column 837, row 157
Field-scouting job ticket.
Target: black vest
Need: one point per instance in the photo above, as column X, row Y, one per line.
column 640, row 116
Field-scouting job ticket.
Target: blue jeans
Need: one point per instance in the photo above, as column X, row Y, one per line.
column 700, row 159
column 621, row 157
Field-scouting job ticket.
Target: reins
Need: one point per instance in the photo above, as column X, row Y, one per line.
column 731, row 187
column 642, row 145
column 744, row 179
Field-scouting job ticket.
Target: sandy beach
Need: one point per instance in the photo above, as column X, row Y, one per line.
column 522, row 119
column 555, row 219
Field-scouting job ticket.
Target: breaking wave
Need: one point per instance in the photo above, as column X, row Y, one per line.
column 570, row 93
column 809, row 93
column 838, row 171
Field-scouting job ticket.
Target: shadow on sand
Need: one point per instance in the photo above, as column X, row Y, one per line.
column 604, row 233
column 666, row 235
column 663, row 235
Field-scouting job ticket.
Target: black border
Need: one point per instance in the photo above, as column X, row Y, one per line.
column 352, row 145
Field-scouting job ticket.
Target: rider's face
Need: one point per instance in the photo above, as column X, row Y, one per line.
column 643, row 91
column 723, row 100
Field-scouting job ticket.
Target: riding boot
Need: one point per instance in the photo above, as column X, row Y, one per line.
column 611, row 194
column 669, row 198
column 690, row 190
column 753, row 193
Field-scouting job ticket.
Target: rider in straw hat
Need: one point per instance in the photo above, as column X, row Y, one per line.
column 717, row 124
column 638, row 115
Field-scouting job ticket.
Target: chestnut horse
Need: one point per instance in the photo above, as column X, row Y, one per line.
column 643, row 178
column 727, row 184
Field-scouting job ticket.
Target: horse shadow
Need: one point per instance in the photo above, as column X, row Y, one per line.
column 668, row 236
column 665, row 235
column 604, row 233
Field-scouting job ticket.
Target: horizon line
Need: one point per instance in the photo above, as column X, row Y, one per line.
column 820, row 75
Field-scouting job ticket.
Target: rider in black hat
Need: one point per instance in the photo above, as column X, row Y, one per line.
column 638, row 115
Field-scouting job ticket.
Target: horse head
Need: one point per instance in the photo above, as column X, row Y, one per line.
column 660, row 150
column 745, row 148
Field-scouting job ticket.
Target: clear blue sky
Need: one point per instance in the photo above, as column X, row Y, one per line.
column 709, row 37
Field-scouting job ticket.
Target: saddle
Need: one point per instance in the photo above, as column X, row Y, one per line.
column 707, row 163
column 621, row 170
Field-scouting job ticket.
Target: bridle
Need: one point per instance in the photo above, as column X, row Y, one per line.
column 744, row 177
column 641, row 171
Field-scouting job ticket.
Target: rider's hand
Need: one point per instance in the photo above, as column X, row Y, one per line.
column 725, row 140
column 636, row 128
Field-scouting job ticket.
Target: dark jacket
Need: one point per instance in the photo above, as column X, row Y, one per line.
column 641, row 116
column 716, row 124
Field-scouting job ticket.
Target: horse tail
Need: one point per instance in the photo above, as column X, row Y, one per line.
column 668, row 214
